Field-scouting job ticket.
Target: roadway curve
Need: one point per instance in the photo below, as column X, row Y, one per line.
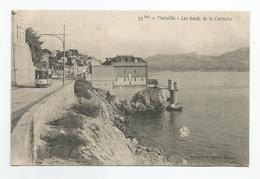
column 24, row 98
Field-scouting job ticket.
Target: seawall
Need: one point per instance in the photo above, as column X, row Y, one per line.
column 26, row 135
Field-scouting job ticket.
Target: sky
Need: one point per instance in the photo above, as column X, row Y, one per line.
column 109, row 33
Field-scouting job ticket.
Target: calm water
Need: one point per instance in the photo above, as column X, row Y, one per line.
column 216, row 112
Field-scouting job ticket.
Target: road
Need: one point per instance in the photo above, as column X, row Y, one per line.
column 22, row 99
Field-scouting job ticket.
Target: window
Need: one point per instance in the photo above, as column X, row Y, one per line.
column 116, row 78
column 124, row 79
column 142, row 79
column 135, row 79
column 134, row 70
column 124, row 71
column 41, row 75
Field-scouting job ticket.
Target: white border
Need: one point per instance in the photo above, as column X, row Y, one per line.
column 6, row 171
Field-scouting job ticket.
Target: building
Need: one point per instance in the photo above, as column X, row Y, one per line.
column 128, row 70
column 23, row 70
column 102, row 77
column 82, row 59
column 95, row 61
column 118, row 71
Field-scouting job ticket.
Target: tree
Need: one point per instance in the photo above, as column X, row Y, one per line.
column 46, row 51
column 53, row 62
column 35, row 45
column 74, row 52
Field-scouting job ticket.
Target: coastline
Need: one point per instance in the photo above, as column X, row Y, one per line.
column 95, row 137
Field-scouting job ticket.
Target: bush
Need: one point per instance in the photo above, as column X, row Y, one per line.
column 63, row 146
column 69, row 120
column 81, row 88
column 87, row 108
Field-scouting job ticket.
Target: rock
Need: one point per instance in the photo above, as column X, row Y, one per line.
column 112, row 99
column 174, row 107
column 177, row 160
column 125, row 107
column 158, row 151
column 148, row 99
column 135, row 142
column 62, row 131
column 122, row 119
column 155, row 158
column 139, row 106
column 148, row 149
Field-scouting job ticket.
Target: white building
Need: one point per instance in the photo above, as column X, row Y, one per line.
column 128, row 70
column 23, row 70
column 119, row 71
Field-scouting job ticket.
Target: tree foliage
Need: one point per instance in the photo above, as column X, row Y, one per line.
column 33, row 40
column 46, row 51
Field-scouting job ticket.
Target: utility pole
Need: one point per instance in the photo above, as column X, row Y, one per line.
column 63, row 40
column 63, row 79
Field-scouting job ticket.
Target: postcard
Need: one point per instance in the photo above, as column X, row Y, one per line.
column 131, row 88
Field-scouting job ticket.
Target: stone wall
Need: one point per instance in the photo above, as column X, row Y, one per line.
column 26, row 134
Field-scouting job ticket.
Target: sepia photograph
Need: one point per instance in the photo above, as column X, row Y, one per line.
column 129, row 88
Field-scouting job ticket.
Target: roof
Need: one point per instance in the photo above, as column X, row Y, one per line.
column 125, row 60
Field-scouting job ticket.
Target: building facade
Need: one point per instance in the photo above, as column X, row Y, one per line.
column 23, row 70
column 117, row 72
column 128, row 70
column 102, row 77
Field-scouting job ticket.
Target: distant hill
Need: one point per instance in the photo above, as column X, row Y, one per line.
column 237, row 60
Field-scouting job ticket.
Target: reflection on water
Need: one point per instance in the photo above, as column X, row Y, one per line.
column 217, row 118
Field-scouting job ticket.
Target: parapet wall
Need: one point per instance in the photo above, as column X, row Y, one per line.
column 25, row 136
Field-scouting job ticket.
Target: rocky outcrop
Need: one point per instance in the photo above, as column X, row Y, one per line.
column 150, row 99
column 91, row 132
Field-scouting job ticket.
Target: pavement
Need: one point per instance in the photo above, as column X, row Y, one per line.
column 23, row 98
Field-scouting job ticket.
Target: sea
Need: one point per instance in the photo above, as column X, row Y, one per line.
column 215, row 117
